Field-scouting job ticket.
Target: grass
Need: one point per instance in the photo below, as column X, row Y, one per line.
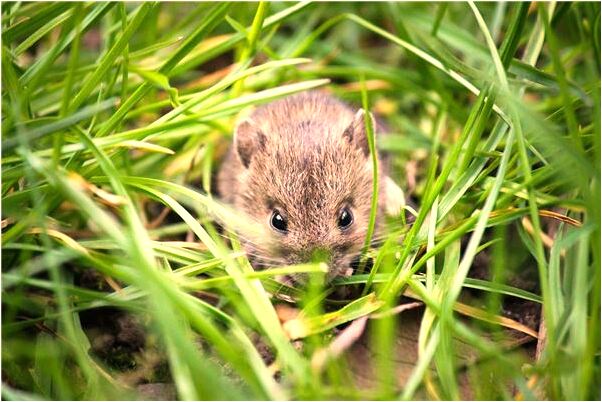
column 115, row 117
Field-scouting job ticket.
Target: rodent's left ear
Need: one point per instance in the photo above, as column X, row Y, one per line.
column 356, row 131
column 248, row 139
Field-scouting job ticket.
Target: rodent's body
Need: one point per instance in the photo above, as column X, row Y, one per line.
column 306, row 159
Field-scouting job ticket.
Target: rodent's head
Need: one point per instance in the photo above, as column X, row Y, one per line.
column 309, row 186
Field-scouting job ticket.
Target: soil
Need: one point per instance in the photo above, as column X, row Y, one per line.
column 119, row 340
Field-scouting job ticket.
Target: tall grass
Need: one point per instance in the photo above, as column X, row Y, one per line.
column 116, row 115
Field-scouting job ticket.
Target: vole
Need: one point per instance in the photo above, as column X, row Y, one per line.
column 301, row 169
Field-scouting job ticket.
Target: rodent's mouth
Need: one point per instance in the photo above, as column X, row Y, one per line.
column 338, row 266
column 340, row 269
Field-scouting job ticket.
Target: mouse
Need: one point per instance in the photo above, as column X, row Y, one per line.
column 301, row 170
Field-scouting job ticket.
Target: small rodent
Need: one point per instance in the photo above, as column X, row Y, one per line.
column 301, row 169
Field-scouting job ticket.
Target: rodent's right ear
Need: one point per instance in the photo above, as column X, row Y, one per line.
column 248, row 139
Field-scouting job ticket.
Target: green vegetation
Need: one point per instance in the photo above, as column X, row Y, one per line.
column 115, row 117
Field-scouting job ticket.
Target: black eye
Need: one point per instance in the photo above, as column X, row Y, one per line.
column 278, row 222
column 345, row 219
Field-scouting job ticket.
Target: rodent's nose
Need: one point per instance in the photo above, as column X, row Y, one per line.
column 315, row 255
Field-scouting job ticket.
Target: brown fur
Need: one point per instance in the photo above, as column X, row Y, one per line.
column 307, row 156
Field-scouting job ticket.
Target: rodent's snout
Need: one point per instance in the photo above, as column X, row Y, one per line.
column 338, row 263
column 316, row 254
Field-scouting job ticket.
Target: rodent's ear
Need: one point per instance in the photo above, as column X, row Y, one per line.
column 248, row 139
column 356, row 131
